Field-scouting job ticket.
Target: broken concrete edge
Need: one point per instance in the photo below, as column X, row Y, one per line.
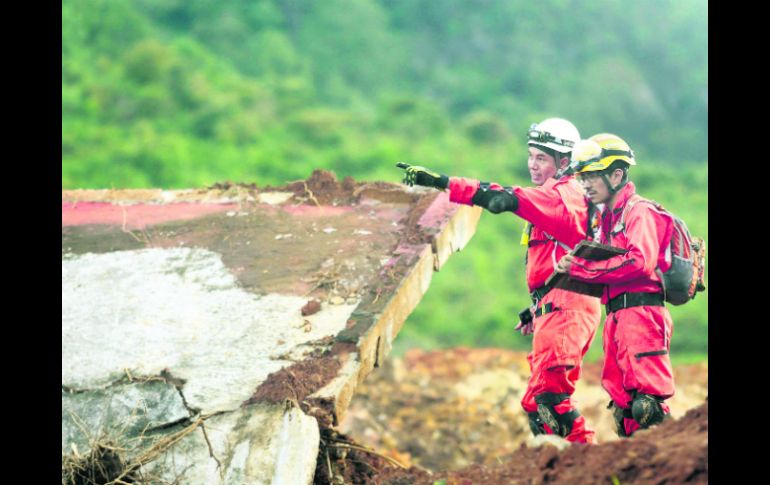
column 401, row 283
column 456, row 235
column 367, row 340
column 376, row 321
column 377, row 341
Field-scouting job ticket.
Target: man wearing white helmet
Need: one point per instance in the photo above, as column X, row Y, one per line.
column 563, row 323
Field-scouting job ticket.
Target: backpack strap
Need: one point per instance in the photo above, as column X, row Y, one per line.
column 621, row 227
column 632, row 201
column 564, row 246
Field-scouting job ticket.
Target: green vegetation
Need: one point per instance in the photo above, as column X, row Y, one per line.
column 170, row 93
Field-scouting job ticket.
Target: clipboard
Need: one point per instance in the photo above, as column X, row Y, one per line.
column 591, row 251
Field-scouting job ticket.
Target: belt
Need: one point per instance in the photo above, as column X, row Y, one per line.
column 538, row 293
column 627, row 300
column 545, row 309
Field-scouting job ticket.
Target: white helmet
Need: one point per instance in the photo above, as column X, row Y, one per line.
column 555, row 134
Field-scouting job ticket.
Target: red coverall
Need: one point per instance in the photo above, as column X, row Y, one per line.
column 635, row 330
column 561, row 338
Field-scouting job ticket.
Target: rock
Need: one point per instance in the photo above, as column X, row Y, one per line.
column 123, row 410
column 311, row 307
column 548, row 439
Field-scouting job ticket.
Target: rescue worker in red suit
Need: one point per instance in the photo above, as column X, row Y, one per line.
column 637, row 371
column 564, row 322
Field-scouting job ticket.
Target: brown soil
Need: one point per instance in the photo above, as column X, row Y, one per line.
column 674, row 452
column 301, row 379
column 322, row 187
column 297, row 381
column 445, row 410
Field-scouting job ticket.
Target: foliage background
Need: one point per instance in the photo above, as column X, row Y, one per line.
column 172, row 93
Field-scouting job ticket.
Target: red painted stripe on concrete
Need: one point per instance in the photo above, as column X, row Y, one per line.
column 136, row 216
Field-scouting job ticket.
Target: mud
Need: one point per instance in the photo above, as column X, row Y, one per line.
column 297, row 381
column 451, row 408
column 674, row 452
column 301, row 379
column 266, row 248
column 339, row 250
column 321, row 188
column 312, row 307
column 99, row 239
column 339, row 462
column 386, row 192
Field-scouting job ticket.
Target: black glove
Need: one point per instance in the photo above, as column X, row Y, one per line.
column 496, row 201
column 525, row 325
column 423, row 176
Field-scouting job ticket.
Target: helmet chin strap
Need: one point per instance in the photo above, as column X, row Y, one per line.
column 560, row 172
column 612, row 190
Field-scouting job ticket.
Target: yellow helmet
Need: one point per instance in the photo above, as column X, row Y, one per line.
column 598, row 152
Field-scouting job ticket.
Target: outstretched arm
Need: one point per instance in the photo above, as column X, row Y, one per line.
column 493, row 197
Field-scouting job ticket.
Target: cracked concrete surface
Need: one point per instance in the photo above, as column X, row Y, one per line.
column 178, row 309
column 157, row 309
column 260, row 444
column 180, row 304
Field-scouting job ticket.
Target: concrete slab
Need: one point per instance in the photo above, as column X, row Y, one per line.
column 252, row 309
column 260, row 444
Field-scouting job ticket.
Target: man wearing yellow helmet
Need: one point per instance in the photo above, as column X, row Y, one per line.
column 637, row 332
column 563, row 323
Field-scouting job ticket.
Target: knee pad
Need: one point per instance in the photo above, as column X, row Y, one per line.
column 535, row 423
column 618, row 413
column 646, row 410
column 561, row 424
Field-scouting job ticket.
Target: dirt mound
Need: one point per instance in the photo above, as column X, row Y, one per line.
column 445, row 410
column 674, row 452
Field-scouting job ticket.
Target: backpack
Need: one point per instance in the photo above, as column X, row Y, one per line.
column 684, row 279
